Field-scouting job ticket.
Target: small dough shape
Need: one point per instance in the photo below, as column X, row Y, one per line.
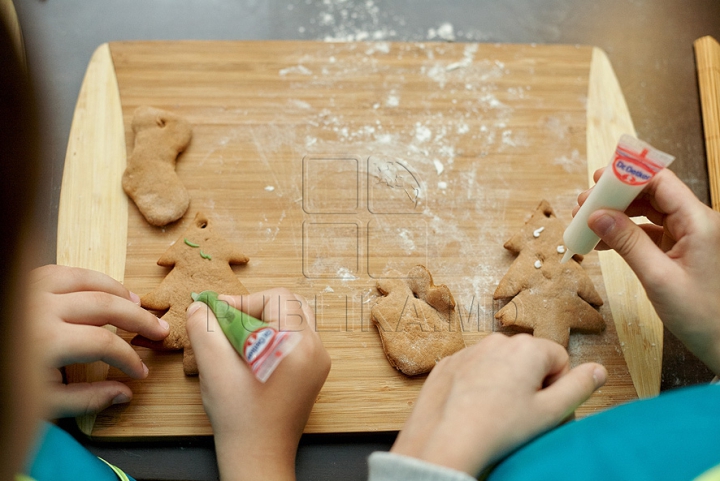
column 549, row 298
column 417, row 321
column 201, row 261
column 150, row 179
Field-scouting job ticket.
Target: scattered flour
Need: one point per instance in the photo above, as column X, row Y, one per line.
column 344, row 274
column 422, row 133
column 445, row 31
column 297, row 69
column 574, row 163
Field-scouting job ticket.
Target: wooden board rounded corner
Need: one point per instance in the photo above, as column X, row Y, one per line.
column 92, row 216
column 639, row 329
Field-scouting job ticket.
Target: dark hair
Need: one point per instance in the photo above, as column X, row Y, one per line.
column 19, row 152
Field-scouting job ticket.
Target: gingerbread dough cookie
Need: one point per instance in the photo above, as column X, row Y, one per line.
column 201, row 261
column 149, row 178
column 549, row 298
column 417, row 322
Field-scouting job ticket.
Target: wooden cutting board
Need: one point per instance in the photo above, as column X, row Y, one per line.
column 328, row 164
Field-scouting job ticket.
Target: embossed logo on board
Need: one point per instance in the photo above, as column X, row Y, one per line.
column 362, row 211
column 633, row 168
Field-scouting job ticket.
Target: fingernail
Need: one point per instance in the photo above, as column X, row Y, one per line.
column 121, row 398
column 193, row 308
column 599, row 376
column 603, row 225
column 145, row 370
column 164, row 324
column 135, row 298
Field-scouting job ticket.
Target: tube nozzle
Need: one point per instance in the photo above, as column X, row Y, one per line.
column 567, row 256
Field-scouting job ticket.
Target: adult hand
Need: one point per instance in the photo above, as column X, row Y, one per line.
column 676, row 258
column 68, row 307
column 257, row 426
column 485, row 400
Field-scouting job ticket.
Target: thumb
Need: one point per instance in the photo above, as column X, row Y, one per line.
column 568, row 392
column 620, row 233
column 77, row 399
column 207, row 338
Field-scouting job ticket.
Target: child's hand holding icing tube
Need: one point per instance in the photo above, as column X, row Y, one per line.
column 675, row 257
column 257, row 426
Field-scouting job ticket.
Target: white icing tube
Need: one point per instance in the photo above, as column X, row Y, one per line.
column 633, row 165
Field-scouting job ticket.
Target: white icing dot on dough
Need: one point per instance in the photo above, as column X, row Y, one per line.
column 538, row 264
column 561, row 249
column 538, row 231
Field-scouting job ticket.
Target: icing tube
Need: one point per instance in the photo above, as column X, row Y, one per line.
column 261, row 346
column 633, row 165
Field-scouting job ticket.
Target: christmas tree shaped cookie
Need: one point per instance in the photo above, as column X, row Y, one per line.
column 417, row 321
column 201, row 261
column 549, row 298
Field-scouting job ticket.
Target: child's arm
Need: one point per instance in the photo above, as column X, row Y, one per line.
column 67, row 308
column 257, row 426
column 676, row 258
column 484, row 401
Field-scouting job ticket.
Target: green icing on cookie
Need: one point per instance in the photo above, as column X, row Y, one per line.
column 191, row 244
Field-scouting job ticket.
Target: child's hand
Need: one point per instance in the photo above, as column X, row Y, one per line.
column 676, row 258
column 482, row 402
column 257, row 426
column 68, row 307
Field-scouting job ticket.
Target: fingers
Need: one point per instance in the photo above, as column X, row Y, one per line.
column 210, row 345
column 63, row 279
column 663, row 196
column 100, row 308
column 77, row 399
column 542, row 360
column 642, row 206
column 618, row 232
column 654, row 232
column 279, row 306
column 571, row 390
column 89, row 343
column 556, row 360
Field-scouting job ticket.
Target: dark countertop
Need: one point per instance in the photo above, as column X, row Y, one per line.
column 649, row 43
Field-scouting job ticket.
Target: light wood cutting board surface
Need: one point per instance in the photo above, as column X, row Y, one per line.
column 329, row 164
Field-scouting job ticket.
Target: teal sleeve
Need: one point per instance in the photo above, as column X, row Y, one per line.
column 59, row 457
column 675, row 436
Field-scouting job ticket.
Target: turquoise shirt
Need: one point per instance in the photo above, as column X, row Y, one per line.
column 59, row 457
column 675, row 436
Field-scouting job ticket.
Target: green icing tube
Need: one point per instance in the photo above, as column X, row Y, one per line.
column 260, row 345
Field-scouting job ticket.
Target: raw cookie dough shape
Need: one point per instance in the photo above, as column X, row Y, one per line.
column 201, row 261
column 549, row 298
column 150, row 178
column 417, row 322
